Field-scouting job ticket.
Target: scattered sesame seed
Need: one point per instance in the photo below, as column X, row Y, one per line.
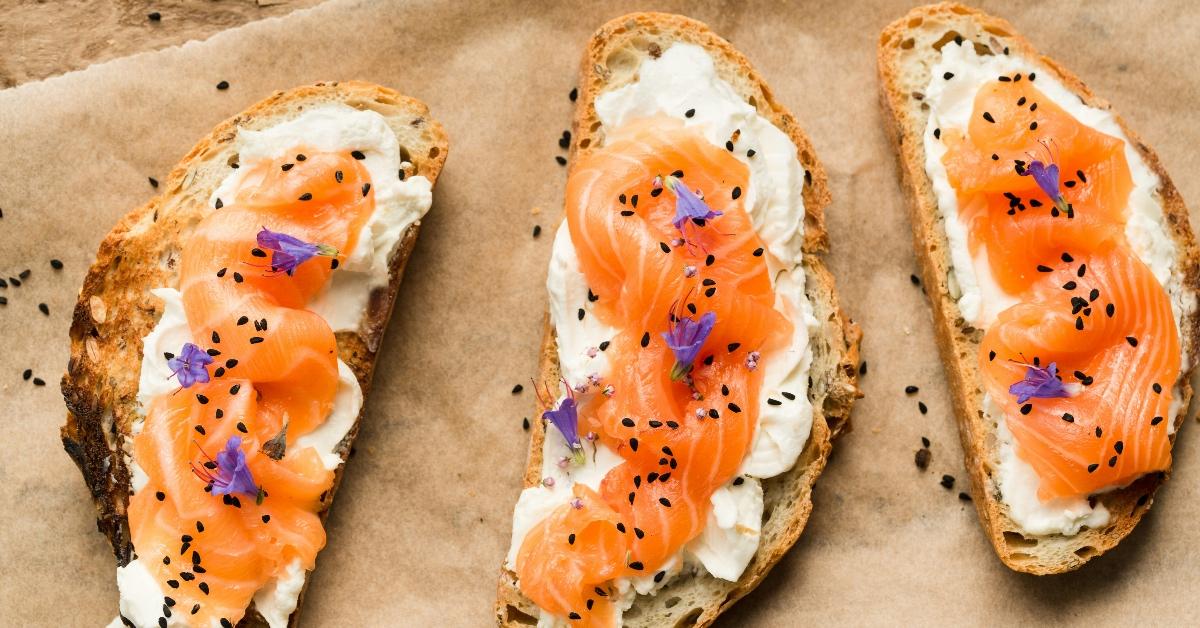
column 911, row 390
column 966, row 497
column 988, row 116
column 645, row 339
column 922, row 407
column 37, row 381
column 223, row 85
column 562, row 161
column 1092, row 468
column 154, row 16
column 689, row 113
column 948, row 76
column 948, row 481
column 307, row 196
column 574, row 94
column 45, row 309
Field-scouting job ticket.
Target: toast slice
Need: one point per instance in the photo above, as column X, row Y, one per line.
column 908, row 49
column 115, row 308
column 611, row 60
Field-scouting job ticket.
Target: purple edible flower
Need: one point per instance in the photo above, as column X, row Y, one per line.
column 231, row 475
column 684, row 338
column 288, row 252
column 688, row 206
column 566, row 418
column 1039, row 382
column 189, row 365
column 1047, row 177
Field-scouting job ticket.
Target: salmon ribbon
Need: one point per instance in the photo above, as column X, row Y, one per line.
column 682, row 429
column 1083, row 366
column 266, row 377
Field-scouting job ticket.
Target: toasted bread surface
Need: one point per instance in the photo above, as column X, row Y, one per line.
column 611, row 60
column 908, row 50
column 115, row 308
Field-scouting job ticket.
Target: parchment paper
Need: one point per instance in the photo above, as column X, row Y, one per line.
column 422, row 521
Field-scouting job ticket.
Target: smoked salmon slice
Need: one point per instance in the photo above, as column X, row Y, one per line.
column 662, row 279
column 1084, row 365
column 261, row 364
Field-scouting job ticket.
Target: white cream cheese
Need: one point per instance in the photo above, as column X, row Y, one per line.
column 980, row 299
column 684, row 78
column 398, row 204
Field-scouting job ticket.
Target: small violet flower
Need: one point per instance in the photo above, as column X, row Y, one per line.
column 231, row 476
column 288, row 252
column 189, row 365
column 1046, row 177
column 688, row 206
column 685, row 337
column 566, row 419
column 1041, row 383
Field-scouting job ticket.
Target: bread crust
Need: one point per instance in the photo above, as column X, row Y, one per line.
column 611, row 55
column 115, row 309
column 902, row 43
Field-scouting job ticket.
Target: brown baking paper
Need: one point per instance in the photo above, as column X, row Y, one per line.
column 422, row 520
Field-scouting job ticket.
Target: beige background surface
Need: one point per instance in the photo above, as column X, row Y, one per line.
column 422, row 520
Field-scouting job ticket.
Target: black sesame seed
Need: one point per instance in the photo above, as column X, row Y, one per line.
column 948, row 76
column 562, row 161
column 628, row 422
column 366, row 188
column 1092, row 468
column 1131, row 340
column 948, row 481
column 758, row 252
column 1119, row 446
column 664, row 247
column 154, row 16
column 737, row 192
column 1156, row 420
column 1099, row 431
column 988, row 116
column 255, row 340
column 1068, row 417
column 733, row 346
column 922, row 407
column 689, row 113
column 307, row 196
column 734, row 407
column 751, row 153
column 581, row 313
column 964, row 496
column 160, row 496
column 645, row 339
column 862, row 368
column 664, row 501
column 219, row 204
column 1157, row 388
column 201, row 398
column 174, row 584
column 1033, row 127
column 241, row 427
column 991, row 355
column 1110, row 310
column 916, row 281
column 604, row 345
column 358, row 154
column 44, row 309
column 911, row 390
column 37, row 381
column 223, row 85
column 1027, row 408
column 1044, row 269
column 708, row 261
